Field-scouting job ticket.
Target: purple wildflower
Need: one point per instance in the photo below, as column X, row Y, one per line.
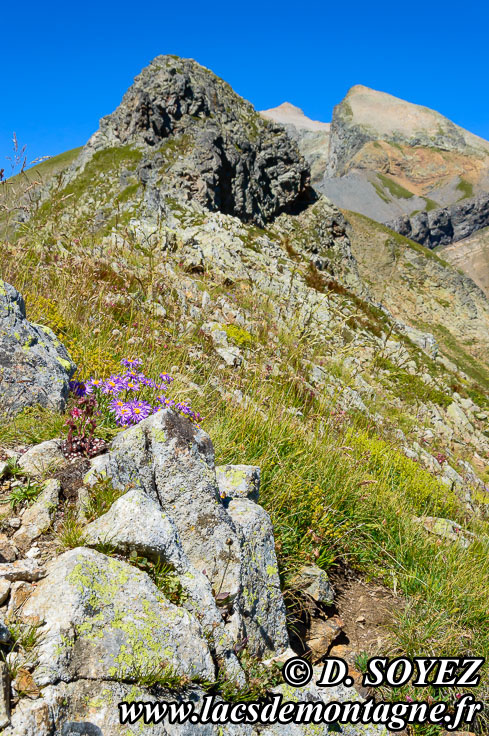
column 139, row 410
column 113, row 385
column 131, row 363
column 131, row 384
column 78, row 388
column 92, row 384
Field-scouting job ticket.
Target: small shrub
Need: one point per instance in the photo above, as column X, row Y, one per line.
column 240, row 336
column 101, row 496
column 164, row 577
column 71, row 533
column 24, row 494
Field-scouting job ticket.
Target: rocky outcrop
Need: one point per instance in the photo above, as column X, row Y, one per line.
column 35, row 368
column 108, row 631
column 172, row 462
column 195, row 134
column 312, row 136
column 445, row 225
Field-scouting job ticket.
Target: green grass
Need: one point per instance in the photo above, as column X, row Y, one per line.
column 401, row 240
column 31, row 426
column 71, row 533
column 465, row 188
column 431, row 204
column 26, row 493
column 394, row 188
column 101, row 496
column 44, row 170
column 475, row 369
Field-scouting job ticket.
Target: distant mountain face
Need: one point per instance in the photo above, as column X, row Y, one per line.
column 387, row 157
column 471, row 255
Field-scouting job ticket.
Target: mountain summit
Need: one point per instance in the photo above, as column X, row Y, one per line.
column 195, row 134
column 288, row 114
column 366, row 115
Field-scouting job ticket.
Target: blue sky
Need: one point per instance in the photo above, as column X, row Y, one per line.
column 65, row 65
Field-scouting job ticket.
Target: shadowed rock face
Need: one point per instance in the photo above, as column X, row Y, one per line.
column 445, row 225
column 224, row 154
column 35, row 368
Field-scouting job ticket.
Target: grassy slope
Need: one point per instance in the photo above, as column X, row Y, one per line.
column 322, row 471
column 25, row 183
column 381, row 254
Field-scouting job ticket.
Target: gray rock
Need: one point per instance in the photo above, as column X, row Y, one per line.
column 172, row 461
column 231, row 356
column 260, row 603
column 26, row 570
column 313, row 693
column 137, row 522
column 4, row 590
column 42, row 458
column 312, row 580
column 8, row 552
column 98, row 469
column 35, row 368
column 446, row 224
column 103, row 618
column 238, row 481
column 4, row 695
column 447, row 529
column 5, row 635
column 86, row 708
column 38, row 518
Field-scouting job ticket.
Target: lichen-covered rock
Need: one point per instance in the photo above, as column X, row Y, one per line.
column 87, row 708
column 261, row 604
column 238, row 481
column 312, row 580
column 137, row 522
column 199, row 136
column 38, row 518
column 446, row 529
column 35, row 368
column 103, row 618
column 172, row 461
column 313, row 693
column 42, row 458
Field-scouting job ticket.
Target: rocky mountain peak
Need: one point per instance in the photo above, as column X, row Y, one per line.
column 366, row 115
column 197, row 135
column 288, row 114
